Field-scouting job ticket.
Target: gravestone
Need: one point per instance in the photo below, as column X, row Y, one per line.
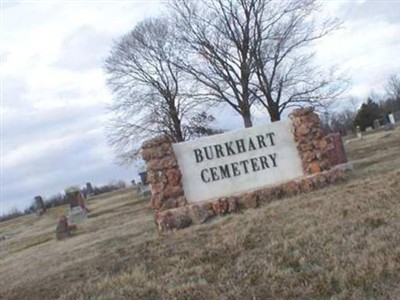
column 196, row 180
column 376, row 124
column 39, row 205
column 89, row 190
column 143, row 178
column 391, row 119
column 143, row 190
column 75, row 198
column 77, row 215
column 359, row 133
column 62, row 230
column 133, row 182
column 369, row 129
column 335, row 150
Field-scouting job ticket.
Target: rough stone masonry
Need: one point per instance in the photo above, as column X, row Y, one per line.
column 171, row 208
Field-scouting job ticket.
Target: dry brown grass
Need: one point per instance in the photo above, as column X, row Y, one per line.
column 342, row 242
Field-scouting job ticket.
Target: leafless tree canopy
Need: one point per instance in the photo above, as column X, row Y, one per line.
column 220, row 37
column 152, row 95
column 393, row 87
column 286, row 76
column 250, row 52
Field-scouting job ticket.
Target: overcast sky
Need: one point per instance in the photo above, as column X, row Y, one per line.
column 54, row 95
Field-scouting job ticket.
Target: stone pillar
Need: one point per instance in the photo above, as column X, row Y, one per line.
column 163, row 174
column 39, row 205
column 335, row 150
column 308, row 135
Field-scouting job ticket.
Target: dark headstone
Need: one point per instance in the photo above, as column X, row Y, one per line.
column 75, row 198
column 335, row 149
column 376, row 124
column 89, row 189
column 62, row 229
column 39, row 205
column 72, row 198
column 133, row 182
column 143, row 178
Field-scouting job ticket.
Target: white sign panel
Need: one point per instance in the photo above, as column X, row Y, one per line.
column 238, row 161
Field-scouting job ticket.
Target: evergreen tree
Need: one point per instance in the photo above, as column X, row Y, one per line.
column 366, row 115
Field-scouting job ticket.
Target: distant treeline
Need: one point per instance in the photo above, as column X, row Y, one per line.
column 61, row 199
column 348, row 119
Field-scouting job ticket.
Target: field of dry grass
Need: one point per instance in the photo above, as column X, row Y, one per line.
column 341, row 242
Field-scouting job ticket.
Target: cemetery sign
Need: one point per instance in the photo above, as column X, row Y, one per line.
column 238, row 161
column 193, row 181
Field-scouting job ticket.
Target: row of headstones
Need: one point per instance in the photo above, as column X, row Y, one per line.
column 377, row 124
column 40, row 208
column 78, row 212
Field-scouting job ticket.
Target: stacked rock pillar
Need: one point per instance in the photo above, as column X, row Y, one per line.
column 311, row 145
column 163, row 174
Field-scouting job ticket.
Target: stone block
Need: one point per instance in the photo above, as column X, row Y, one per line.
column 314, row 168
column 249, row 200
column 169, row 204
column 173, row 191
column 306, row 185
column 232, row 204
column 157, row 200
column 335, row 152
column 173, row 176
column 200, row 213
column 173, row 219
column 220, row 206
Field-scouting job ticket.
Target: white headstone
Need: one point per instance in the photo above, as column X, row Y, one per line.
column 238, row 161
column 391, row 119
column 77, row 215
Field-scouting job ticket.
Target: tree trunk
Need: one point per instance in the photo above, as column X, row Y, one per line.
column 178, row 135
column 247, row 119
column 274, row 113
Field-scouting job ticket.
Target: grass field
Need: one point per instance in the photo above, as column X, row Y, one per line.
column 341, row 242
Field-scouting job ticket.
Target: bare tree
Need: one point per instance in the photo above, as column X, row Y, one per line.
column 152, row 95
column 256, row 52
column 393, row 87
column 286, row 75
column 220, row 36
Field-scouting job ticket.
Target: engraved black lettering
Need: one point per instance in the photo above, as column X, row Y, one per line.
column 240, row 146
column 270, row 135
column 244, row 163
column 214, row 174
column 264, row 162
column 209, row 153
column 251, row 145
column 261, row 142
column 218, row 151
column 235, row 169
column 229, row 149
column 199, row 156
column 273, row 158
column 202, row 174
column 254, row 164
column 224, row 170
